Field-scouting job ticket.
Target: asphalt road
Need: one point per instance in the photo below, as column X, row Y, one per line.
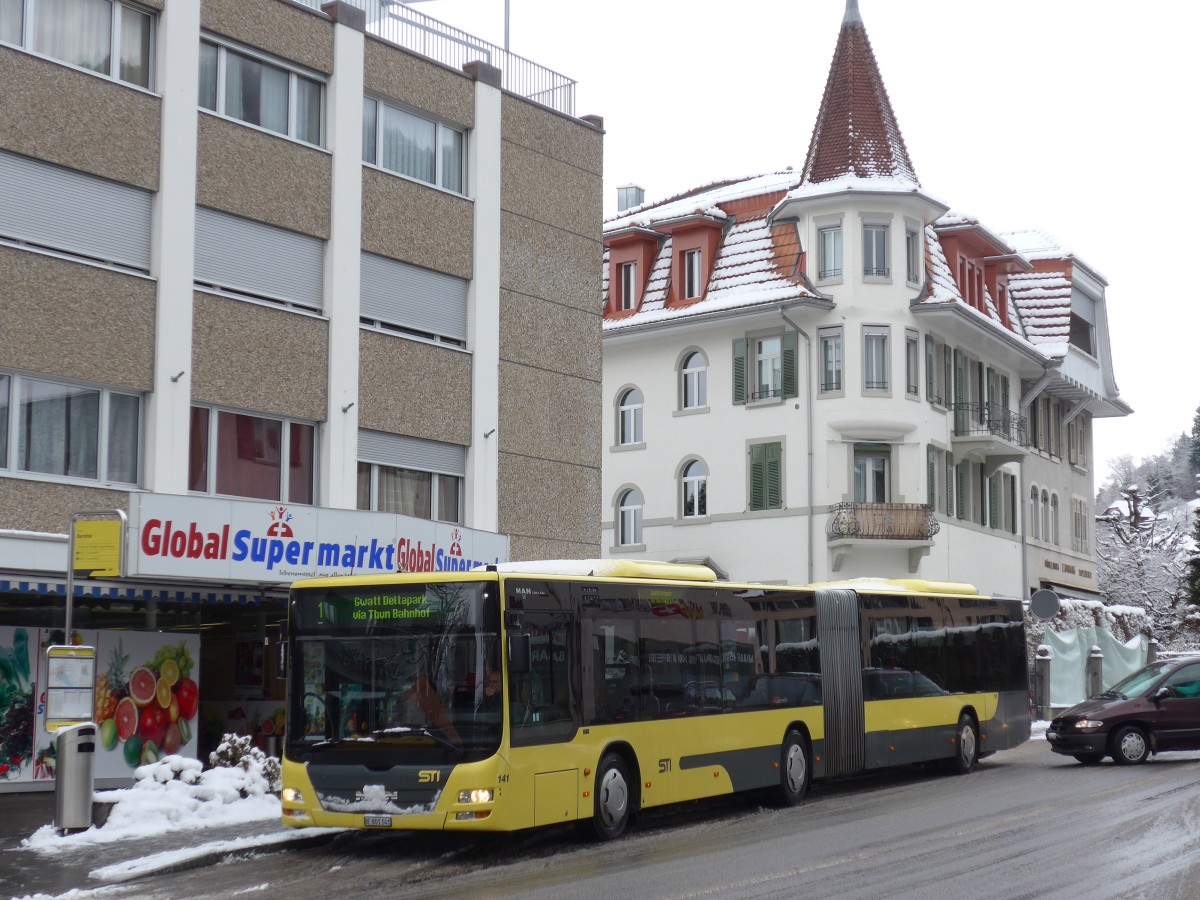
column 1025, row 824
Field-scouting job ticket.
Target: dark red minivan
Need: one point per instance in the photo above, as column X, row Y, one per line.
column 1153, row 710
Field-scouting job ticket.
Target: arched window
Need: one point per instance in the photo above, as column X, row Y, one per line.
column 693, row 388
column 1035, row 517
column 1053, row 535
column 1045, row 515
column 629, row 417
column 695, row 490
column 629, row 518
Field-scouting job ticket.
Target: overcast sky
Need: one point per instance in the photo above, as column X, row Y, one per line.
column 1078, row 117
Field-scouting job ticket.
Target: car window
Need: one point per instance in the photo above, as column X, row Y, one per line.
column 1184, row 684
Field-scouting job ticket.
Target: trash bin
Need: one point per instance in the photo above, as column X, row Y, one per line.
column 75, row 751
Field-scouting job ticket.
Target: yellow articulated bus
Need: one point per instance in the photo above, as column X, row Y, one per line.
column 534, row 694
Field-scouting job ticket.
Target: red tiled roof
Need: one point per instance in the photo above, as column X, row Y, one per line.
column 856, row 133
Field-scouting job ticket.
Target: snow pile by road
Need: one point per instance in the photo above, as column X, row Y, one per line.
column 173, row 793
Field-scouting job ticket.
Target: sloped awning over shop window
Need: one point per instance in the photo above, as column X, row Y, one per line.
column 124, row 592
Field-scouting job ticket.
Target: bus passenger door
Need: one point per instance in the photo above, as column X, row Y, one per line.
column 841, row 681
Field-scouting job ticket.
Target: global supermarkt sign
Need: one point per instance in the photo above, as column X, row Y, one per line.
column 236, row 540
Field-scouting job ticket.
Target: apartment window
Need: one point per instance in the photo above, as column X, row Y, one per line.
column 628, row 285
column 1079, row 526
column 1035, row 518
column 875, row 358
column 766, row 476
column 768, row 368
column 629, row 518
column 412, row 145
column 112, row 39
column 830, row 340
column 912, row 363
column 691, row 274
column 936, row 384
column 1053, row 536
column 410, row 492
column 829, row 242
column 629, row 417
column 69, row 431
column 1044, row 509
column 872, row 473
column 875, row 261
column 694, row 381
column 694, row 485
column 268, row 94
column 912, row 255
column 241, row 455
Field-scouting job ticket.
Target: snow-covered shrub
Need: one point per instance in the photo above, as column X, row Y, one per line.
column 237, row 751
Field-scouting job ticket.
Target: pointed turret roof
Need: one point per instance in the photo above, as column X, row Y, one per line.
column 856, row 133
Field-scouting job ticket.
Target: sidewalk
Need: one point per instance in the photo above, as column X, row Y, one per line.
column 24, row 871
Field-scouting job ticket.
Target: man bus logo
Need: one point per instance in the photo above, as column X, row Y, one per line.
column 429, row 776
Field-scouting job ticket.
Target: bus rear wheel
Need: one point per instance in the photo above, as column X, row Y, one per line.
column 795, row 772
column 967, row 746
column 613, row 800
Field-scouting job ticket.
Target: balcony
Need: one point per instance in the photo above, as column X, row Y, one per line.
column 990, row 433
column 881, row 526
column 392, row 21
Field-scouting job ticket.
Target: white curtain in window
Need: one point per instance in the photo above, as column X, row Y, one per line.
column 408, row 144
column 452, row 155
column 208, row 76
column 10, row 21
column 308, row 110
column 123, row 431
column 405, row 492
column 5, row 381
column 78, row 32
column 449, row 491
column 59, row 429
column 135, row 47
column 256, row 93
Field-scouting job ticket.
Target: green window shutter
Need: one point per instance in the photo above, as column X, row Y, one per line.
column 960, row 495
column 766, row 469
column 739, row 371
column 960, row 377
column 949, row 484
column 994, row 501
column 930, row 371
column 789, row 356
column 931, row 477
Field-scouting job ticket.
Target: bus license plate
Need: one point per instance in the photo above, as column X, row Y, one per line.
column 377, row 821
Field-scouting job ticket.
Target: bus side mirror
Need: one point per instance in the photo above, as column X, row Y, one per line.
column 518, row 654
column 281, row 652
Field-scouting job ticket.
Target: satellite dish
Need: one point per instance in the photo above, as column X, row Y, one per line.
column 1044, row 604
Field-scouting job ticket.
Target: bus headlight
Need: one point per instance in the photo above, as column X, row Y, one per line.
column 479, row 795
column 291, row 795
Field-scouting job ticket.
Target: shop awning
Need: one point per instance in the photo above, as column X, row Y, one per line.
column 101, row 590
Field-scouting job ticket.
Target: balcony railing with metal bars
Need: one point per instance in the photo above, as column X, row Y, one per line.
column 990, row 418
column 882, row 521
column 392, row 21
column 876, row 271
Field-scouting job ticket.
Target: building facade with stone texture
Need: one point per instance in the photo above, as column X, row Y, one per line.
column 264, row 272
column 827, row 373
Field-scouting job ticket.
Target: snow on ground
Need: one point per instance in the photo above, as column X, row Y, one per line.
column 171, row 794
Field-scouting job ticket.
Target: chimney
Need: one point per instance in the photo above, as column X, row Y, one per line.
column 629, row 196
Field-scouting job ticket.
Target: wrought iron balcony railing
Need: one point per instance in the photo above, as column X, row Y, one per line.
column 990, row 419
column 882, row 521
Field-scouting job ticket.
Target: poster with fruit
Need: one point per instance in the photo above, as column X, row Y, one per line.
column 147, row 699
column 18, row 648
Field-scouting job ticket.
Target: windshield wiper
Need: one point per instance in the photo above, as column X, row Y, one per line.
column 1116, row 695
column 422, row 730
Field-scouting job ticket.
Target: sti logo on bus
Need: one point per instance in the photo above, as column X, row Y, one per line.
column 429, row 776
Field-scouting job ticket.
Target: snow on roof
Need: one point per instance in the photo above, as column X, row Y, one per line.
column 705, row 200
column 1042, row 300
column 878, row 184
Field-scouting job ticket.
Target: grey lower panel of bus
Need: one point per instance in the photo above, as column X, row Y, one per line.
column 393, row 790
column 1009, row 727
column 755, row 767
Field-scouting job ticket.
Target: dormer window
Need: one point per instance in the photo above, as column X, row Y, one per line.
column 629, row 298
column 691, row 274
column 875, row 261
column 830, row 249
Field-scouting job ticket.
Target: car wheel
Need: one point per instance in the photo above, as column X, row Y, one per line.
column 967, row 742
column 1089, row 759
column 1130, row 746
column 613, row 799
column 795, row 772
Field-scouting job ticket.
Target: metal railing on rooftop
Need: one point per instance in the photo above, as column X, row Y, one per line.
column 392, row 21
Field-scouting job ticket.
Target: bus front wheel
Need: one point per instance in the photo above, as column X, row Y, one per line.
column 795, row 772
column 613, row 799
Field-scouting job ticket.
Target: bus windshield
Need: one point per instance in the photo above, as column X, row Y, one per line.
column 410, row 669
